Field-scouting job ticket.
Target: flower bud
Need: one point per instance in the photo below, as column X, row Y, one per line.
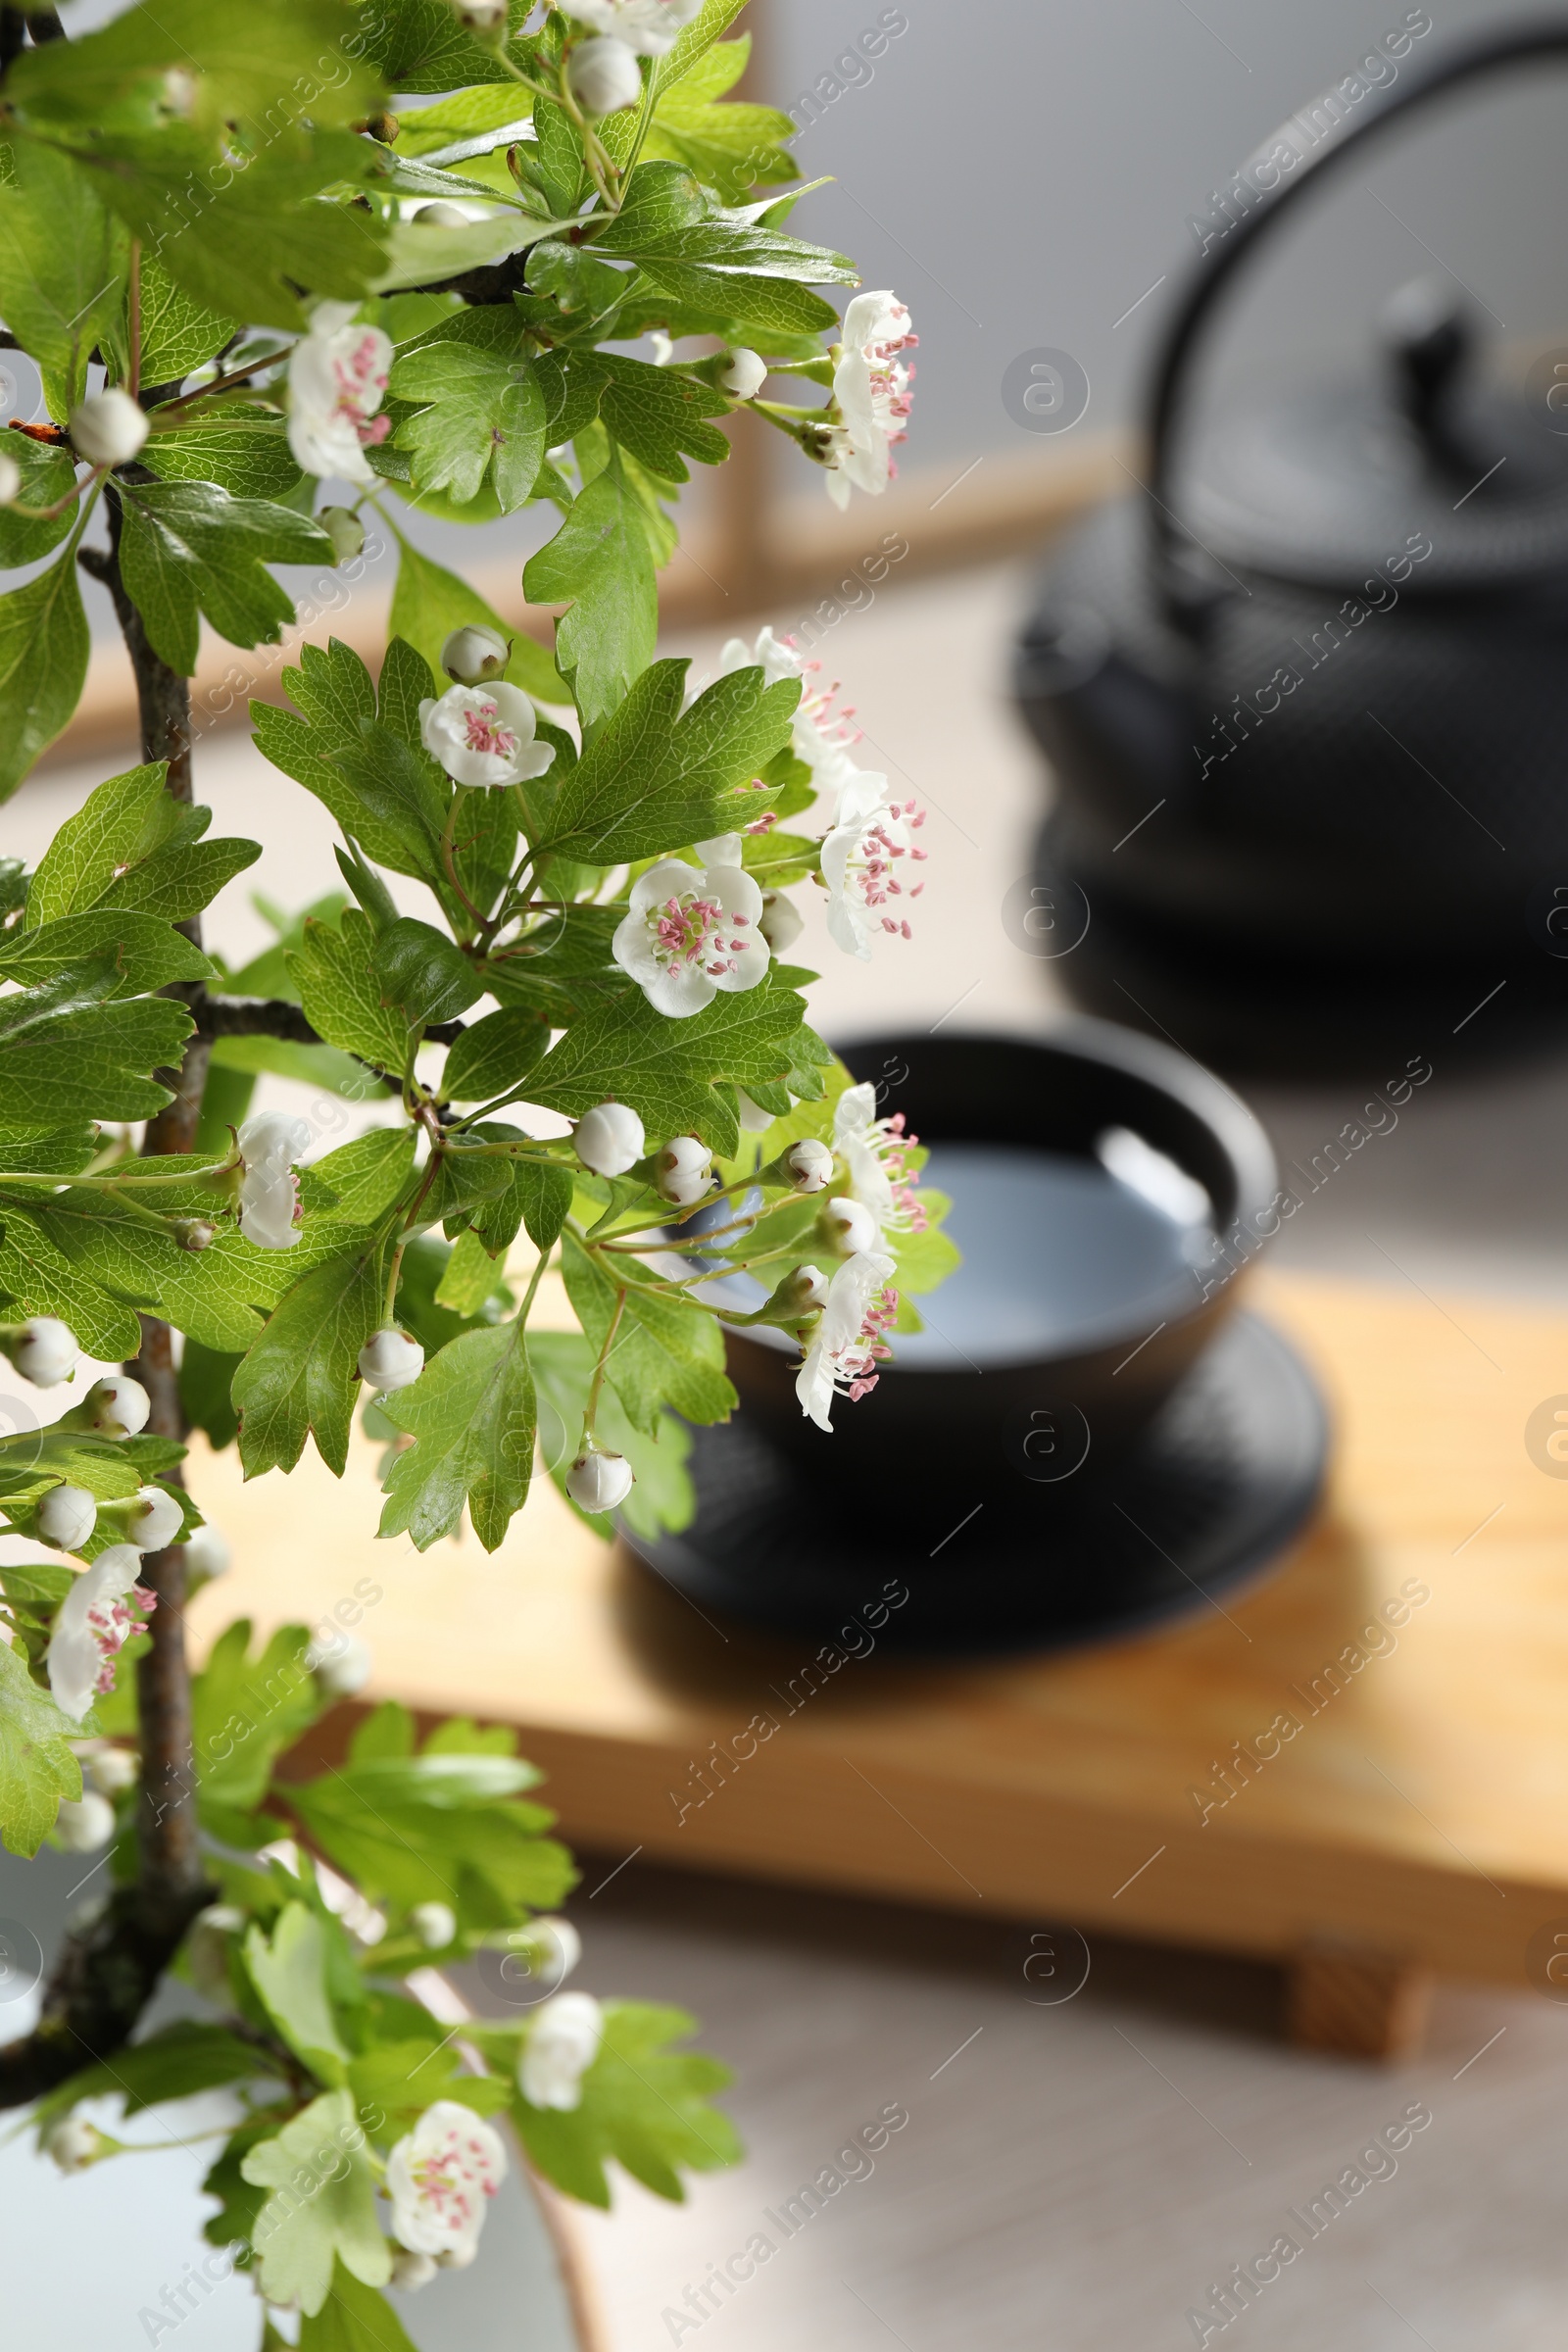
column 112, row 1770
column 752, row 1118
column 9, row 478
column 684, row 1171
column 345, row 530
column 744, row 375
column 43, row 1349
column 389, row 1361
column 108, row 428
column 808, row 1289
column 603, row 76
column 341, row 1665
column 849, row 1225
column 410, row 2271
column 194, row 1232
column 475, row 657
column 84, row 1824
column 485, row 18
column 610, row 1139
column 564, row 2039
column 598, row 1482
column 153, row 1518
column 208, row 1552
column 74, row 2143
column 207, row 1946
column 67, row 1518
column 434, row 1924
column 811, row 1165
column 268, row 1193
column 114, row 1406
column 560, row 1946
column 442, row 215
column 780, row 921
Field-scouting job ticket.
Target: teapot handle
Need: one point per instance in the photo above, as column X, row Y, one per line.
column 1297, row 156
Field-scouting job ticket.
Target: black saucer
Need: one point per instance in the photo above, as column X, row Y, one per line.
column 1209, row 1496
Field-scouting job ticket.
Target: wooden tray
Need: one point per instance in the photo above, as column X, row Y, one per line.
column 1416, row 1819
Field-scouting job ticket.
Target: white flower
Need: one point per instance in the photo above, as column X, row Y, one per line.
column 849, row 1225
column 341, row 1664
column 562, row 2043
column 154, row 1518
column 74, row 2143
column 434, row 1924
column 848, row 1341
column 114, row 1406
column 811, row 1165
column 67, row 1518
column 84, row 1824
column 43, row 1349
column 598, row 1482
column 440, row 2177
column 821, row 735
column 472, row 656
column 389, row 1361
column 9, row 478
column 270, row 1192
column 781, row 921
column 603, row 76
column 285, row 1852
column 484, row 734
column 648, row 27
column 746, row 373
column 92, row 1625
column 337, row 374
column 690, row 931
column 871, row 391
column 874, row 1152
column 208, row 1552
column 683, row 1171
column 108, row 428
column 560, row 1947
column 859, row 863
column 410, row 2271
column 111, row 1769
column 610, row 1138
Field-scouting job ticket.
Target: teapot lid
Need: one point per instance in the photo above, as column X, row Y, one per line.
column 1329, row 485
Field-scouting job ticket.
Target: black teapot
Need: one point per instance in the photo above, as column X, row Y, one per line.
column 1306, row 700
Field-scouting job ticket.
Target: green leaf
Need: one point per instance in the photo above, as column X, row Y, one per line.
column 600, row 564
column 429, row 603
column 322, row 2204
column 178, row 334
column 44, row 665
column 422, row 972
column 671, row 1072
column 66, row 1051
column 667, row 1351
column 62, row 258
column 657, row 412
column 403, row 793
column 38, row 1279
column 422, row 45
column 643, row 2105
column 360, row 1181
column 47, row 474
column 729, row 148
column 146, row 952
column 355, row 2318
column 289, row 1971
column 471, row 1278
column 188, row 549
column 335, row 695
column 247, row 1711
column 37, row 1766
column 178, row 881
column 342, row 997
column 472, row 1416
column 493, row 1056
column 175, row 2063
column 119, row 824
column 244, row 451
column 206, row 1375
column 485, row 415
column 300, row 1375
column 655, row 777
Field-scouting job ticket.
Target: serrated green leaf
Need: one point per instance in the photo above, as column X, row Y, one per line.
column 44, row 665
column 246, row 1712
column 301, row 1374
column 656, row 777
column 422, row 972
column 601, row 564
column 322, row 2205
column 37, row 1279
column 244, row 450
column 288, row 1970
column 62, row 258
column 481, row 414
column 145, row 951
column 668, row 1353
column 178, row 881
column 120, row 823
column 671, row 1072
column 493, row 1055
column 643, row 2106
column 188, row 549
column 47, row 474
column 334, row 972
column 355, row 2318
column 37, row 1766
column 65, row 1052
column 178, row 334
column 663, row 1496
column 359, row 1183
column 658, row 412
column 472, row 1416
column 429, row 603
